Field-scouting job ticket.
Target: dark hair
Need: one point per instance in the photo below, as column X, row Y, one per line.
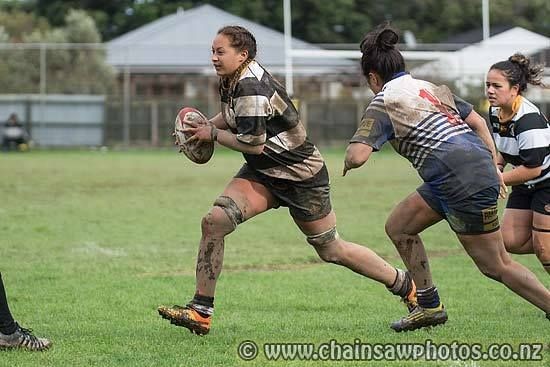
column 240, row 38
column 518, row 71
column 380, row 54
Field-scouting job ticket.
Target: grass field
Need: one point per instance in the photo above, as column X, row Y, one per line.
column 92, row 242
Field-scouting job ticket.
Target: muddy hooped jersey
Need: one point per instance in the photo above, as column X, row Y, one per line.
column 259, row 111
column 525, row 140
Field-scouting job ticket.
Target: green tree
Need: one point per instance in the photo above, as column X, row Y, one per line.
column 68, row 69
column 318, row 21
column 18, row 23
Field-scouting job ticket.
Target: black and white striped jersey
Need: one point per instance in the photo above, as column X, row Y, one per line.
column 259, row 111
column 526, row 139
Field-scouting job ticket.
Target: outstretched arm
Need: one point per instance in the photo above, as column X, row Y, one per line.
column 478, row 124
column 521, row 174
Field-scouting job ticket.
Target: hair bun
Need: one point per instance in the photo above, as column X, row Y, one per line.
column 519, row 59
column 387, row 39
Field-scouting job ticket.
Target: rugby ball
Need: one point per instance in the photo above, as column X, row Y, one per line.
column 197, row 151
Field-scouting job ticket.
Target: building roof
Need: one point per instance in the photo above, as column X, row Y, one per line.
column 181, row 42
column 472, row 63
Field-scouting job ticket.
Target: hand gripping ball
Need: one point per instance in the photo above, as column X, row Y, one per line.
column 198, row 151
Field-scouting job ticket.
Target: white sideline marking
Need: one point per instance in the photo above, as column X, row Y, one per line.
column 94, row 248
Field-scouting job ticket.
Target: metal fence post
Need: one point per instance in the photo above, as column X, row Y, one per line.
column 154, row 123
column 126, row 103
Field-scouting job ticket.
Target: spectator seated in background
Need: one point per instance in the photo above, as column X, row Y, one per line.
column 14, row 135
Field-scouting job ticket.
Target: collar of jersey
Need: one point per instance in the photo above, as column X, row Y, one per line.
column 397, row 75
column 393, row 77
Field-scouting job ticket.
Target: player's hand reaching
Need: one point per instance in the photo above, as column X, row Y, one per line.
column 346, row 168
column 356, row 155
column 503, row 190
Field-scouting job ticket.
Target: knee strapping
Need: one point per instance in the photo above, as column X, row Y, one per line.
column 322, row 239
column 541, row 229
column 230, row 208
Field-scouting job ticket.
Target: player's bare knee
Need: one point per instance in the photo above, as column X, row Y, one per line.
column 326, row 245
column 396, row 233
column 209, row 225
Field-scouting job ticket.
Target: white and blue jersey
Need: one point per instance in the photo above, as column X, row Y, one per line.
column 425, row 124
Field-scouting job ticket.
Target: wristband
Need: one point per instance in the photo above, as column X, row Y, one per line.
column 214, row 133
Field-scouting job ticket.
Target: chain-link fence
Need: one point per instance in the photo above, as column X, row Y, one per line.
column 73, row 94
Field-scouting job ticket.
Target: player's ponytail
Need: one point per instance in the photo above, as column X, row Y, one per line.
column 519, row 71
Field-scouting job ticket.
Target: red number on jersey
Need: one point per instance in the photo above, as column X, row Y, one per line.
column 452, row 117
